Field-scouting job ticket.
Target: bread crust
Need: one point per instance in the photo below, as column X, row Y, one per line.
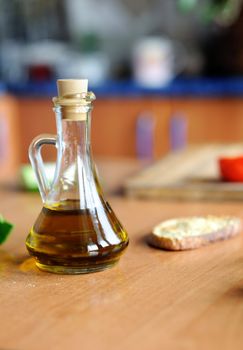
column 192, row 242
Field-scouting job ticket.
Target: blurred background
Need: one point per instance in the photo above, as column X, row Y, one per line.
column 162, row 70
column 45, row 39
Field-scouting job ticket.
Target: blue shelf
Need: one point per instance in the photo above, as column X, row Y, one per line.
column 33, row 89
column 181, row 87
column 3, row 88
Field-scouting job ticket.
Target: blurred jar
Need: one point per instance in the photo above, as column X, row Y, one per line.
column 93, row 66
column 154, row 62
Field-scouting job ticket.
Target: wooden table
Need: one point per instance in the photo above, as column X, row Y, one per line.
column 152, row 300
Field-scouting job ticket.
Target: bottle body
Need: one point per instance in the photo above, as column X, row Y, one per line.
column 76, row 231
column 68, row 240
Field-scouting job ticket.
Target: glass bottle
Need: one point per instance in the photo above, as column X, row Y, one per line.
column 76, row 231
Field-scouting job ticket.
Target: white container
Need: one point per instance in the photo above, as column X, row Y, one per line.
column 154, row 62
column 93, row 66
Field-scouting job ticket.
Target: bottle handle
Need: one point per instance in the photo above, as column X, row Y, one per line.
column 37, row 161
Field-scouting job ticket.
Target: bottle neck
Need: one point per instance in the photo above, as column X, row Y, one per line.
column 75, row 178
column 74, row 133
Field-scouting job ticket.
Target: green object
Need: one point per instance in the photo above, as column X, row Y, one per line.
column 215, row 9
column 223, row 12
column 186, row 5
column 90, row 42
column 5, row 229
column 28, row 179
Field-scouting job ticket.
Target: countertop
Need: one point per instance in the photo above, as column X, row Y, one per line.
column 152, row 299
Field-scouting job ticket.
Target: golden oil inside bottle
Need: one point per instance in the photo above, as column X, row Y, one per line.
column 66, row 239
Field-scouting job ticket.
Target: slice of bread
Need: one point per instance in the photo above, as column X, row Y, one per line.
column 194, row 232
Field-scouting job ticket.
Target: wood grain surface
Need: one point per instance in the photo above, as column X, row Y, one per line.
column 191, row 173
column 152, row 299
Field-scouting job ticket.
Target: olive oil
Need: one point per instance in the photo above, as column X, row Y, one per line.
column 65, row 239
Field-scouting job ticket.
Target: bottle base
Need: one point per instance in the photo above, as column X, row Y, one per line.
column 75, row 270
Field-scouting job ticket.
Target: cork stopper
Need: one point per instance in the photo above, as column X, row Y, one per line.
column 71, row 86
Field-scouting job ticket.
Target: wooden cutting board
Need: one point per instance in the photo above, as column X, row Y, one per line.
column 188, row 174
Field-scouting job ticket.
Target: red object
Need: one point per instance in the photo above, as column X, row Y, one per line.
column 231, row 169
column 40, row 72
